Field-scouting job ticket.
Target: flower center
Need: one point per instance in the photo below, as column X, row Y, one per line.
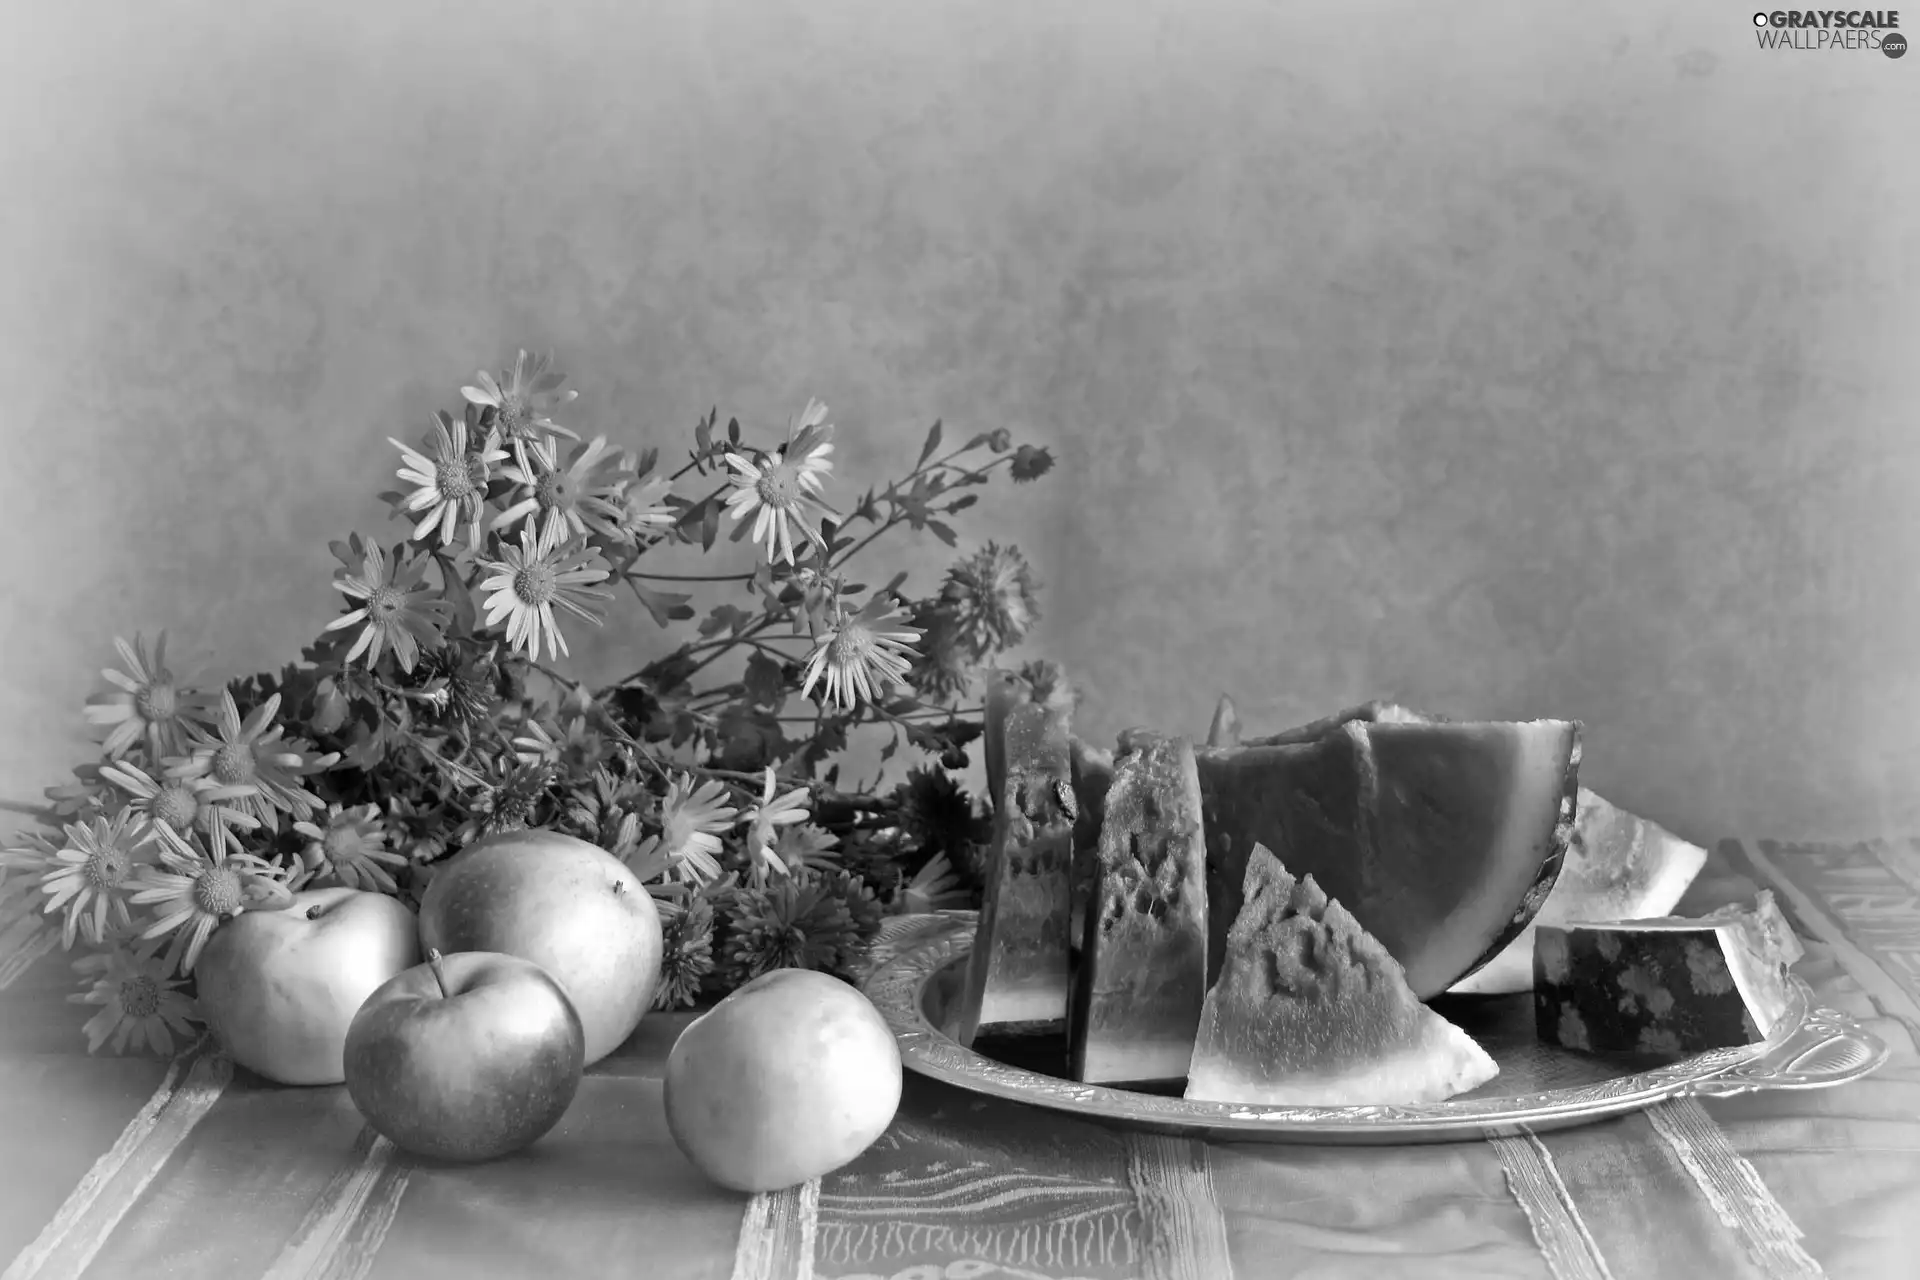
column 534, row 583
column 779, row 486
column 175, row 805
column 455, row 478
column 386, row 602
column 157, row 702
column 851, row 646
column 139, row 996
column 341, row 844
column 216, row 891
column 107, row 867
column 555, row 490
column 233, row 764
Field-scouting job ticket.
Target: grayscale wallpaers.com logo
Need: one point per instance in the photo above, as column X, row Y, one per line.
column 1831, row 29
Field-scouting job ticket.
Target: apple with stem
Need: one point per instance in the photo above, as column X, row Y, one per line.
column 278, row 988
column 467, row 1057
column 570, row 907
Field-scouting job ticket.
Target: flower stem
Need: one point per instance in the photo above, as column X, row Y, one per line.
column 690, row 577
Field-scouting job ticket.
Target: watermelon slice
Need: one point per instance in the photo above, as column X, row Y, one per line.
column 1225, row 729
column 1142, row 978
column 1017, row 974
column 1312, row 1012
column 1665, row 987
column 1005, row 691
column 1442, row 839
column 1619, row 867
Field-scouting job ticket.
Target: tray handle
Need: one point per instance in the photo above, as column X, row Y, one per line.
column 1826, row 1049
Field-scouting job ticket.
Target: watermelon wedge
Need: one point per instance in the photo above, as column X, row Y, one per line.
column 1016, row 979
column 1668, row 986
column 1005, row 691
column 1619, row 867
column 1142, row 976
column 1442, row 839
column 1312, row 1012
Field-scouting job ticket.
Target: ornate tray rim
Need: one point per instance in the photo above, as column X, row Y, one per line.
column 1815, row 1047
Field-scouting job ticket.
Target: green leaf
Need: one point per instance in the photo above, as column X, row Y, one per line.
column 962, row 502
column 733, row 431
column 666, row 607
column 703, row 434
column 710, row 525
column 748, row 740
column 453, row 589
column 944, row 533
column 765, row 681
column 894, row 584
column 724, row 617
column 933, row 442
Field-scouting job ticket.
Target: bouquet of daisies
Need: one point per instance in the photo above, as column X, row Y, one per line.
column 427, row 714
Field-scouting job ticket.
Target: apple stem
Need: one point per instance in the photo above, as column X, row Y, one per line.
column 439, row 974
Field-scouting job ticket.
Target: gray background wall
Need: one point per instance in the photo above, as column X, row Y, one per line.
column 1556, row 366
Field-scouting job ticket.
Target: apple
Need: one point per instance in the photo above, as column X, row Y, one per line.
column 788, row 1078
column 570, row 907
column 467, row 1057
column 278, row 988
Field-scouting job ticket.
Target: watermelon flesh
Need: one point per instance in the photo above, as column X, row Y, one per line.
column 1442, row 839
column 1142, row 977
column 1619, row 867
column 1312, row 1012
column 1017, row 973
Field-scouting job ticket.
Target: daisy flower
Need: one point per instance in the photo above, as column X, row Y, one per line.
column 861, row 656
column 399, row 612
column 806, row 845
column 797, row 923
column 146, row 703
column 140, row 1002
column 521, row 403
column 640, row 513
column 765, row 818
column 449, row 479
column 532, row 580
column 89, row 874
column 192, row 892
column 506, row 805
column 780, row 491
column 686, row 956
column 252, row 753
column 25, row 864
column 934, row 886
column 198, row 805
column 692, row 819
column 563, row 498
column 991, row 596
column 350, row 849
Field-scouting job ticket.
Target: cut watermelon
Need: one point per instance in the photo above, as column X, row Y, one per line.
column 1665, row 987
column 1225, row 729
column 1442, row 839
column 1143, row 973
column 1092, row 776
column 1619, row 867
column 1005, row 691
column 1312, row 1012
column 1017, row 973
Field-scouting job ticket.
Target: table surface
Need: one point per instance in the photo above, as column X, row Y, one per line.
column 134, row 1167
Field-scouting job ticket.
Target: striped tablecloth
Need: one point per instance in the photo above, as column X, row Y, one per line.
column 142, row 1169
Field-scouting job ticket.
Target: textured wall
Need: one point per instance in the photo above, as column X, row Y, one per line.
column 1389, row 348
